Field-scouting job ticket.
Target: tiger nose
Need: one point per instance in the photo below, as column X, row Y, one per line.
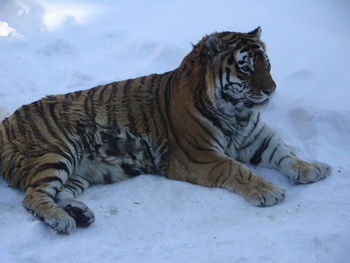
column 269, row 90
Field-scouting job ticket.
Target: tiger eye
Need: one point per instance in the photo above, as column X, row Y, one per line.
column 245, row 68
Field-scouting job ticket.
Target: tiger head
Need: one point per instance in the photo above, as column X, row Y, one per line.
column 238, row 71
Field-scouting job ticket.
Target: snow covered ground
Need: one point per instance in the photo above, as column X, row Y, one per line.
column 51, row 47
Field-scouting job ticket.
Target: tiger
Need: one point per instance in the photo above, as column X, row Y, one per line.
column 199, row 123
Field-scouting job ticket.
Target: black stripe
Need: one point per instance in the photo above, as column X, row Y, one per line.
column 107, row 178
column 10, row 167
column 8, row 135
column 230, row 60
column 206, row 141
column 57, row 166
column 57, row 150
column 48, row 179
column 240, row 177
column 130, row 170
column 258, row 153
column 225, row 33
column 32, row 122
column 208, row 111
column 298, row 178
column 128, row 105
column 54, row 148
column 318, row 169
column 87, row 180
column 151, row 107
column 51, row 98
column 273, row 153
column 77, row 185
column 250, row 176
column 20, row 123
column 252, row 141
column 102, row 93
column 228, row 73
column 167, row 99
column 145, row 121
column 72, row 189
column 155, row 126
column 245, row 49
column 226, row 174
column 75, row 181
column 93, row 103
column 62, row 128
column 158, row 105
column 111, row 107
column 216, row 166
column 149, row 156
column 253, row 46
column 88, row 105
column 77, row 94
column 252, row 130
column 227, row 97
column 153, row 78
column 142, row 80
column 282, row 159
column 207, row 131
column 233, row 40
column 13, row 131
column 194, row 143
column 220, row 77
column 45, row 193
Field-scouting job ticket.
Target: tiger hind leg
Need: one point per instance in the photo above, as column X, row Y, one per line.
column 40, row 197
column 65, row 198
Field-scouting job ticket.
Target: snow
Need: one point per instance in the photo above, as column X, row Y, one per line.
column 52, row 47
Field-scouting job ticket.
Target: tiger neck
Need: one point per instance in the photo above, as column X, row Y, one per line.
column 193, row 75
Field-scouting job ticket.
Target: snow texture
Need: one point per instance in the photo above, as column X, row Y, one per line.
column 52, row 47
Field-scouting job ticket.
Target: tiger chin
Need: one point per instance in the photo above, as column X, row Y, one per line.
column 198, row 123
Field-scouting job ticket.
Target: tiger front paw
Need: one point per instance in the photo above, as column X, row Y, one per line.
column 262, row 193
column 310, row 172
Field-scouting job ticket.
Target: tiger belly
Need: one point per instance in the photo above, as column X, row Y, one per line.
column 100, row 172
column 116, row 157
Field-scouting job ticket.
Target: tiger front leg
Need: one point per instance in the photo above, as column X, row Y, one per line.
column 301, row 172
column 269, row 150
column 256, row 190
column 232, row 175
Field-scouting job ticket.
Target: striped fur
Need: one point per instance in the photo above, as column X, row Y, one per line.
column 197, row 123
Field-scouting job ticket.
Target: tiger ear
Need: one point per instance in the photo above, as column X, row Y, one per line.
column 256, row 32
column 214, row 45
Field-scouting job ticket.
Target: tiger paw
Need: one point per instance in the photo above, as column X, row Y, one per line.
column 311, row 172
column 60, row 221
column 82, row 215
column 262, row 193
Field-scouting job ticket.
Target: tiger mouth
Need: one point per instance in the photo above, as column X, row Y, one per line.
column 251, row 103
